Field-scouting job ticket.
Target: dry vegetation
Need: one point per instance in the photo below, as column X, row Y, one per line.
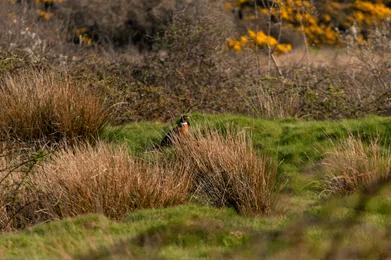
column 45, row 106
column 187, row 65
column 226, row 171
column 105, row 179
column 86, row 179
column 222, row 171
column 16, row 163
column 354, row 165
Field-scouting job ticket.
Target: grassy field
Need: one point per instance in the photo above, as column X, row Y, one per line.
column 303, row 223
column 288, row 154
column 297, row 145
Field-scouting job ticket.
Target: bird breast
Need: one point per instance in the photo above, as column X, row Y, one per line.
column 184, row 129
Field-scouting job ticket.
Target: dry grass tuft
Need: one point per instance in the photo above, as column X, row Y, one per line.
column 45, row 106
column 106, row 180
column 354, row 165
column 214, row 169
column 227, row 172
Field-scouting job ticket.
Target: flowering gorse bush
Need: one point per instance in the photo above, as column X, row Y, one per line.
column 321, row 24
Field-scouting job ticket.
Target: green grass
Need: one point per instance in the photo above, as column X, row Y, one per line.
column 302, row 225
column 189, row 231
column 139, row 137
column 193, row 231
column 297, row 145
column 294, row 142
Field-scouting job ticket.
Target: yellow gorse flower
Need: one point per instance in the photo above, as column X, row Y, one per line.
column 243, row 40
column 45, row 15
column 371, row 13
column 234, row 45
column 84, row 38
column 44, row 9
column 259, row 39
column 284, row 48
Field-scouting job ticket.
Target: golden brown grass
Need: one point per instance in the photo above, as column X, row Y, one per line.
column 105, row 179
column 227, row 172
column 354, row 165
column 45, row 106
column 222, row 170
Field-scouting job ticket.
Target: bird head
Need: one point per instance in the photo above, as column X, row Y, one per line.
column 184, row 120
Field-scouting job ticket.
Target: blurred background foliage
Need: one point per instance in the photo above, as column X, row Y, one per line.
column 320, row 22
column 156, row 59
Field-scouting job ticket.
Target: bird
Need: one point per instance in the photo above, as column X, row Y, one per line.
column 181, row 129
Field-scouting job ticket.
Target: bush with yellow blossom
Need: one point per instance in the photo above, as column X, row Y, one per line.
column 320, row 23
column 259, row 39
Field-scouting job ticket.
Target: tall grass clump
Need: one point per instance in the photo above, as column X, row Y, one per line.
column 105, row 179
column 354, row 165
column 45, row 106
column 226, row 171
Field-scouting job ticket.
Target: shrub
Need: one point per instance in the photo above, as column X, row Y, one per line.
column 3, row 169
column 192, row 64
column 46, row 106
column 354, row 165
column 106, row 180
column 320, row 23
column 226, row 171
column 16, row 163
